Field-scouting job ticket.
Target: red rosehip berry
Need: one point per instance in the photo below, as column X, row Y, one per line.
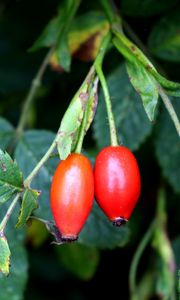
column 117, row 183
column 71, row 195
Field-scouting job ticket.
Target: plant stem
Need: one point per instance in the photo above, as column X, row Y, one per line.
column 170, row 109
column 136, row 259
column 98, row 67
column 34, row 172
column 81, row 135
column 36, row 82
column 9, row 212
column 140, row 44
column 110, row 10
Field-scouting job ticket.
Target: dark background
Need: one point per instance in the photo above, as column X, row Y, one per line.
column 21, row 22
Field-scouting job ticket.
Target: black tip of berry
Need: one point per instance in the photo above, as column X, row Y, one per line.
column 63, row 239
column 69, row 238
column 119, row 221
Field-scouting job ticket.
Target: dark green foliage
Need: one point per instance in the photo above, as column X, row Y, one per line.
column 167, row 147
column 13, row 286
column 99, row 263
column 164, row 40
column 11, row 178
column 138, row 8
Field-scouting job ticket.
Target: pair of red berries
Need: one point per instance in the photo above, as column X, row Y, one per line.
column 115, row 183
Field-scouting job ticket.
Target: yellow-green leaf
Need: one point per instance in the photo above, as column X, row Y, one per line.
column 145, row 85
column 29, row 203
column 88, row 28
column 134, row 55
column 4, row 254
column 92, row 104
column 71, row 122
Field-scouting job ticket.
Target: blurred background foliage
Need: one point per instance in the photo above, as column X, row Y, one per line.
column 100, row 262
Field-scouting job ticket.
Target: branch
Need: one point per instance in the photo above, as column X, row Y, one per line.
column 136, row 259
column 34, row 172
column 9, row 212
column 36, row 82
column 170, row 108
column 98, row 66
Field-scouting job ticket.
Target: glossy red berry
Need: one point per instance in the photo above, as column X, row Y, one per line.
column 71, row 195
column 117, row 183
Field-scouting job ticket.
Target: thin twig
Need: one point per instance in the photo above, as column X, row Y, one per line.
column 98, row 65
column 34, row 172
column 9, row 212
column 136, row 259
column 32, row 92
column 170, row 108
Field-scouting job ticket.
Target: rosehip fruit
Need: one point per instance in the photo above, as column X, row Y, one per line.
column 117, row 183
column 71, row 195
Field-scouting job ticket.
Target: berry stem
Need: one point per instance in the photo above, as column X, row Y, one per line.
column 136, row 258
column 34, row 172
column 98, row 66
column 8, row 213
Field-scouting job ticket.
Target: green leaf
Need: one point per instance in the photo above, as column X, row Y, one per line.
column 56, row 27
column 49, row 35
column 6, row 133
column 130, row 51
column 128, row 113
column 63, row 53
column 134, row 55
column 164, row 40
column 71, row 122
column 91, row 104
column 80, row 260
column 99, row 231
column 4, row 254
column 83, row 39
column 66, row 14
column 13, row 286
column 139, row 8
column 56, row 32
column 167, row 147
column 11, row 179
column 29, row 203
column 145, row 85
column 72, row 119
column 86, row 26
column 30, row 149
